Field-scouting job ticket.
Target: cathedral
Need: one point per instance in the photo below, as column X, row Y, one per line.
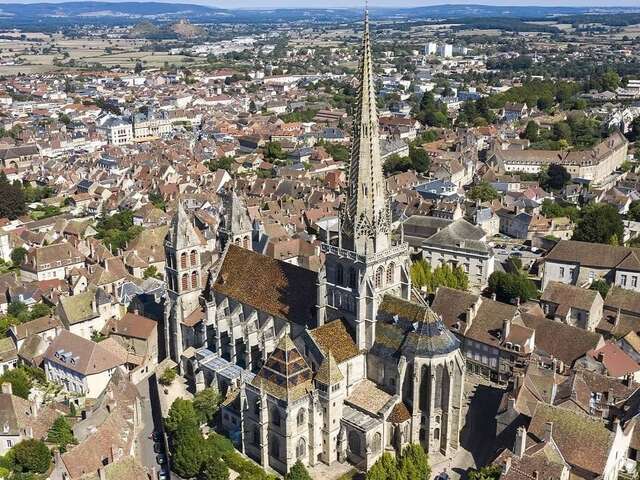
column 338, row 365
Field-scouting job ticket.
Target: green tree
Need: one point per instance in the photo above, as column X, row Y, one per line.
column 189, row 452
column 273, row 151
column 61, row 434
column 167, row 377
column 531, row 133
column 18, row 255
column 385, row 468
column 20, row 382
column 419, row 159
column 157, row 201
column 483, row 192
column 206, row 404
column 600, row 286
column 298, row 472
column 556, row 177
column 12, row 202
column 32, row 456
column 214, row 469
column 490, row 472
column 599, row 223
column 443, row 276
column 181, row 416
column 414, row 462
column 18, row 309
column 39, row 310
column 511, row 286
column 634, row 210
column 151, row 272
column 395, row 164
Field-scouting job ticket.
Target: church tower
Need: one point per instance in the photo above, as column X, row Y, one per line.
column 366, row 263
column 235, row 225
column 184, row 275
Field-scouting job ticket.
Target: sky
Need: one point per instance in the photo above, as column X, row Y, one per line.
column 380, row 3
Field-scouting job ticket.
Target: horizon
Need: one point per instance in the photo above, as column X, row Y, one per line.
column 350, row 4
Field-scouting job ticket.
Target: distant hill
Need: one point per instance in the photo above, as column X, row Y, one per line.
column 56, row 15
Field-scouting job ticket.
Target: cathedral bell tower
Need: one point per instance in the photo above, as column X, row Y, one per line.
column 367, row 262
column 184, row 275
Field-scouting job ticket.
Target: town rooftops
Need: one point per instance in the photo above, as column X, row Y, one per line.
column 563, row 294
column 595, row 255
column 80, row 355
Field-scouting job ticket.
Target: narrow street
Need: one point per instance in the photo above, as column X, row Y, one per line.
column 152, row 421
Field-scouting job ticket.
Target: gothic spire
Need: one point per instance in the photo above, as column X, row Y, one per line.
column 367, row 217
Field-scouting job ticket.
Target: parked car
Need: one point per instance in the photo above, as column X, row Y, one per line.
column 157, row 447
column 161, row 460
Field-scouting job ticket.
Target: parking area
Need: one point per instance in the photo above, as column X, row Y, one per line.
column 505, row 247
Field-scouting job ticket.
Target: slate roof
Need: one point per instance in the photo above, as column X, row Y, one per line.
column 269, row 285
column 410, row 329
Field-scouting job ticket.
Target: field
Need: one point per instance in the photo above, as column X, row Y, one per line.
column 31, row 56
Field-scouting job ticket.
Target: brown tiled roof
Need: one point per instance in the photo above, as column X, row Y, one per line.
column 626, row 300
column 133, row 325
column 36, row 326
column 328, row 372
column 333, row 337
column 272, row 286
column 563, row 294
column 588, row 254
column 583, row 441
column 560, row 340
column 88, row 357
column 369, row 397
column 399, row 414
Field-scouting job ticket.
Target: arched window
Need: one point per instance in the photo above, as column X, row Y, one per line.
column 194, row 280
column 301, row 448
column 339, row 275
column 300, row 417
column 245, row 242
column 275, row 417
column 354, row 442
column 185, row 281
column 353, row 277
column 194, row 258
column 378, row 278
column 376, row 444
column 237, row 241
column 183, row 260
column 436, row 434
column 391, row 273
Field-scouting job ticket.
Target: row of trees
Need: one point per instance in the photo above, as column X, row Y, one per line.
column 412, row 464
column 422, row 276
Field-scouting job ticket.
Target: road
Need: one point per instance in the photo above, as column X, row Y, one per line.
column 152, row 421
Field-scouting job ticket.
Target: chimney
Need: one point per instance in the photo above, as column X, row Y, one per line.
column 600, row 357
column 94, row 305
column 517, row 301
column 102, row 475
column 535, row 475
column 493, row 296
column 506, row 328
column 507, row 465
column 34, row 408
column 521, row 442
column 7, row 388
column 548, row 431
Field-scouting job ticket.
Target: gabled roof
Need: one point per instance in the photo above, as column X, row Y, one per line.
column 80, row 355
column 269, row 285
